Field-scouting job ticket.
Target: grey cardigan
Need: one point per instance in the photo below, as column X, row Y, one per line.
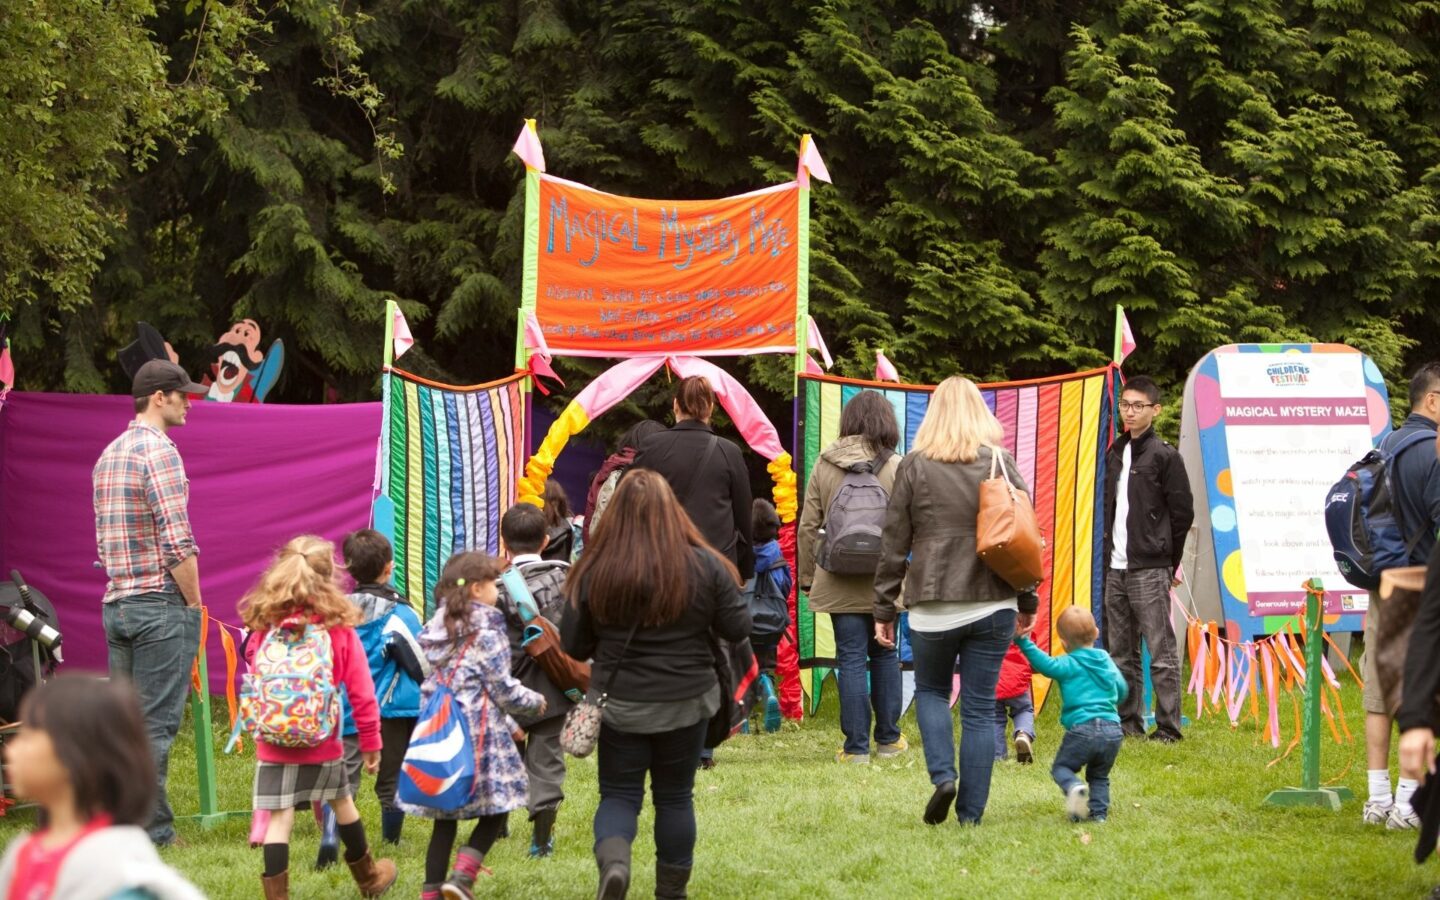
column 106, row 863
column 931, row 523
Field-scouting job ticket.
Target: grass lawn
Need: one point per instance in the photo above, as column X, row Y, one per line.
column 779, row 818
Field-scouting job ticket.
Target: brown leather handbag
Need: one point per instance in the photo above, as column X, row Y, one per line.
column 1007, row 535
column 541, row 640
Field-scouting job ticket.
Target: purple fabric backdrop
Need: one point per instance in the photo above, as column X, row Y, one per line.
column 259, row 475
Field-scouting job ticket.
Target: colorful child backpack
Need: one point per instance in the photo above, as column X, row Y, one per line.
column 289, row 697
column 438, row 771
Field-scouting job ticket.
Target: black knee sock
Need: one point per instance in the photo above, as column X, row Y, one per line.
column 277, row 859
column 353, row 837
column 437, row 857
column 487, row 831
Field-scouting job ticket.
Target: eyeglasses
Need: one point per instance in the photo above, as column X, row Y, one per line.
column 1127, row 406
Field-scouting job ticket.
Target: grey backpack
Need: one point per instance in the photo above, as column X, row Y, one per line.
column 855, row 520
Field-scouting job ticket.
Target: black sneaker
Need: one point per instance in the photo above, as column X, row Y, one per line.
column 1024, row 750
column 938, row 809
column 1165, row 738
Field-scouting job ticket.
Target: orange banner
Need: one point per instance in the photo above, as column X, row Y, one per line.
column 619, row 276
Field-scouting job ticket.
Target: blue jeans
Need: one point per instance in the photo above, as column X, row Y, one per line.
column 1022, row 710
column 671, row 758
column 1091, row 746
column 153, row 639
column 980, row 649
column 857, row 653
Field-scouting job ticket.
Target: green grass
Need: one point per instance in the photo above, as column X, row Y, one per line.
column 779, row 818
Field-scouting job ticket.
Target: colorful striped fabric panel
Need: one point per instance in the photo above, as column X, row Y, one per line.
column 1058, row 430
column 450, row 460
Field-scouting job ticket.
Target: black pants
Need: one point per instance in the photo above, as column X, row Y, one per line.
column 766, row 650
column 395, row 737
column 670, row 758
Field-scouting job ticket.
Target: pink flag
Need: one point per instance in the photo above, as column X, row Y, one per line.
column 527, row 147
column 539, row 354
column 884, row 368
column 810, row 163
column 401, row 336
column 7, row 370
column 1127, row 337
column 816, row 342
column 812, row 367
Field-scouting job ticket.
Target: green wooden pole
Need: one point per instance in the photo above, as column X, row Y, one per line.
column 210, row 813
column 1119, row 334
column 1310, row 793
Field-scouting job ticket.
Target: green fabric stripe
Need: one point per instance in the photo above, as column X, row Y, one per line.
column 397, row 483
column 432, row 495
column 530, row 270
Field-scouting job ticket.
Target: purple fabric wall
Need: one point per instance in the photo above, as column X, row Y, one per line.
column 259, row 475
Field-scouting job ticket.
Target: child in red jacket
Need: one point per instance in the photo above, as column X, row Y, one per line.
column 1012, row 700
column 296, row 592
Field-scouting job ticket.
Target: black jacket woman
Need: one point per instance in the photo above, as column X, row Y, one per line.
column 959, row 609
column 644, row 599
column 706, row 472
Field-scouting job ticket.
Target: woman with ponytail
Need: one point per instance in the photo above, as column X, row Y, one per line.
column 644, row 599
column 304, row 617
column 468, row 649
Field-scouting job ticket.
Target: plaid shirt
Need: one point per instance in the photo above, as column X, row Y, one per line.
column 142, row 524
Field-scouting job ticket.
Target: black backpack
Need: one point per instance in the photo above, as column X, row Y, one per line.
column 769, row 609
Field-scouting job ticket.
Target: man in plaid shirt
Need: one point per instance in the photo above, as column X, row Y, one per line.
column 142, row 526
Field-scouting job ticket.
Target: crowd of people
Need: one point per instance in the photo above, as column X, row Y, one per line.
column 662, row 567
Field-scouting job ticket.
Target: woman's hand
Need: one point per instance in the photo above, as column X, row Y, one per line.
column 1023, row 623
column 885, row 634
column 1417, row 753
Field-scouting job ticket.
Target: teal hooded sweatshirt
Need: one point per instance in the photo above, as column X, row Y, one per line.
column 1090, row 684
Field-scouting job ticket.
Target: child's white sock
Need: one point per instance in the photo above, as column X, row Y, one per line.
column 1379, row 785
column 1404, row 790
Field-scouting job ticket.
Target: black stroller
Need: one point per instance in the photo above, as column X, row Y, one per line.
column 29, row 651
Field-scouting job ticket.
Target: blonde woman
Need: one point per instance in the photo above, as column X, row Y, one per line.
column 960, row 612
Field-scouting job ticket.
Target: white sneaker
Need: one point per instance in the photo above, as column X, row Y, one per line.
column 1077, row 802
column 1377, row 812
column 1402, row 818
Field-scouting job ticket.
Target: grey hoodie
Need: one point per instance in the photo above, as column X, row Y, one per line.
column 106, row 863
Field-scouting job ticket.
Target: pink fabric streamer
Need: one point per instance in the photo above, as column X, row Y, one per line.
column 1272, row 697
column 527, row 147
column 817, row 342
column 1290, row 655
column 812, row 367
column 1223, row 656
column 1197, row 676
column 1236, row 701
column 810, row 163
column 884, row 368
column 540, row 355
column 1329, row 673
column 617, row 383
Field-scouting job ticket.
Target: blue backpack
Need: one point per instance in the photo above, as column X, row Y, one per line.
column 1360, row 516
column 438, row 771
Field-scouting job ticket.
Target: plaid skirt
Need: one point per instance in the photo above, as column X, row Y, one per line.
column 284, row 786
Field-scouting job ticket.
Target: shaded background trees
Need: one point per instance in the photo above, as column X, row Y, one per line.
column 1006, row 173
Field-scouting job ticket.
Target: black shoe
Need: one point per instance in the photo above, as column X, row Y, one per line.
column 392, row 822
column 938, row 809
column 1165, row 737
column 707, row 763
column 671, row 881
column 542, row 840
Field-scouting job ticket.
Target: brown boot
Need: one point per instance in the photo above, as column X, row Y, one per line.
column 277, row 887
column 374, row 878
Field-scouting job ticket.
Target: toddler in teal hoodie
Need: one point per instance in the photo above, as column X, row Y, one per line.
column 1091, row 687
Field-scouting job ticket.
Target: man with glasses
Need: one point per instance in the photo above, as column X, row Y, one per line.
column 142, row 527
column 1415, row 492
column 1148, row 512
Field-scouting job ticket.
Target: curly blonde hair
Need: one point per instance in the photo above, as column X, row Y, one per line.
column 300, row 580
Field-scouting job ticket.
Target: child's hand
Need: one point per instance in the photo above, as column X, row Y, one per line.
column 1023, row 623
column 541, row 710
column 372, row 761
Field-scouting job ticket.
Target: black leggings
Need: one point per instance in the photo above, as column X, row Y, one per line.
column 442, row 841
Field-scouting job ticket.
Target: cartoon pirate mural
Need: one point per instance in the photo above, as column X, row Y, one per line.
column 239, row 372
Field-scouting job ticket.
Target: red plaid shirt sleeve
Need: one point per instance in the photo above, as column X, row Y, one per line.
column 168, row 494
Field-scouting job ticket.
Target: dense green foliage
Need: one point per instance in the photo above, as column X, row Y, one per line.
column 1006, row 173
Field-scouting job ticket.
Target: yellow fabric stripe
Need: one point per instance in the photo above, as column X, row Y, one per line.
column 1062, row 579
column 829, row 414
column 1085, row 493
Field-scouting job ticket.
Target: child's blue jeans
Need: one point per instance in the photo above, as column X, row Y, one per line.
column 1022, row 710
column 1091, row 746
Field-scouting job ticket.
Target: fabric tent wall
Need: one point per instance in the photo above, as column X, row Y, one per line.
column 1057, row 429
column 259, row 475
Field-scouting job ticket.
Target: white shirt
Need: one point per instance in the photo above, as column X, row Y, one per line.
column 932, row 617
column 1119, row 557
column 525, row 559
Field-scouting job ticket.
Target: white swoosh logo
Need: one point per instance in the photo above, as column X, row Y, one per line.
column 440, row 751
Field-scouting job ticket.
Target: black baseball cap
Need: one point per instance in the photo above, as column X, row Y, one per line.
column 163, row 375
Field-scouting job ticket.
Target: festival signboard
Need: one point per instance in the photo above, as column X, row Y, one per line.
column 615, row 276
column 1266, row 430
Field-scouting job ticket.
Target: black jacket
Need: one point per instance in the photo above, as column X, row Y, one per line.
column 666, row 662
column 546, row 581
column 1161, row 508
column 717, row 500
column 1422, row 657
